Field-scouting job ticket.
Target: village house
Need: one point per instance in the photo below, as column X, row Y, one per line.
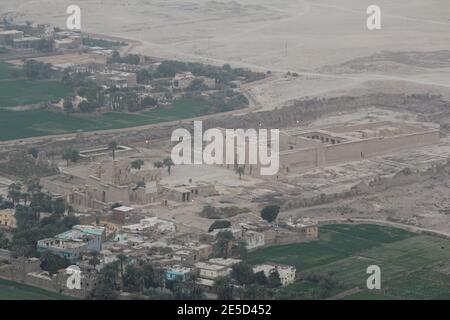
column 307, row 227
column 211, row 271
column 287, row 273
column 73, row 243
column 8, row 36
column 7, row 219
column 177, row 273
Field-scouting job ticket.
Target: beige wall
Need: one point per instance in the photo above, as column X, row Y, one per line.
column 352, row 150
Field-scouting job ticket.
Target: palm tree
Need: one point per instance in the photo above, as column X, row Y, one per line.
column 223, row 242
column 137, row 164
column 158, row 164
column 71, row 155
column 14, row 192
column 25, row 197
column 240, row 171
column 167, row 162
column 113, row 147
column 122, row 258
column 94, row 261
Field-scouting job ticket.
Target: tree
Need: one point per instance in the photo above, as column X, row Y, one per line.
column 270, row 213
column 168, row 163
column 188, row 289
column 223, row 288
column 25, row 196
column 255, row 292
column 242, row 273
column 240, row 171
column 158, row 164
column 37, row 70
column 59, row 206
column 133, row 280
column 116, row 205
column 86, row 106
column 219, row 224
column 223, row 242
column 260, row 278
column 107, row 288
column 34, row 152
column 113, row 147
column 153, row 278
column 240, row 249
column 71, row 155
column 149, row 102
column 94, row 261
column 68, row 105
column 274, row 281
column 14, row 192
column 52, row 263
column 137, row 164
column 122, row 258
column 4, row 241
column 140, row 184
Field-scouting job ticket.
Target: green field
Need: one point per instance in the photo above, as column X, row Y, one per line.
column 32, row 123
column 17, row 291
column 412, row 266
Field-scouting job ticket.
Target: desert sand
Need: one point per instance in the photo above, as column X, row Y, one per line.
column 321, row 40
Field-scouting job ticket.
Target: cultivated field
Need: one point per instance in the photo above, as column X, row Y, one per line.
column 16, row 123
column 16, row 291
column 412, row 266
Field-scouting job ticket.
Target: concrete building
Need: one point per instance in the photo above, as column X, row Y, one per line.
column 120, row 214
column 188, row 191
column 229, row 262
column 177, row 273
column 307, row 227
column 115, row 78
column 26, row 43
column 287, row 273
column 68, row 43
column 154, row 223
column 211, row 271
column 7, row 219
column 8, row 36
column 72, row 244
column 182, row 80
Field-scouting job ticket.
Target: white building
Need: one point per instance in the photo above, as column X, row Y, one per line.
column 148, row 223
column 287, row 273
column 212, row 271
column 229, row 262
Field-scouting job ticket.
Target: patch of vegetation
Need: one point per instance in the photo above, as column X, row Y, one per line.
column 94, row 42
column 10, row 290
column 343, row 253
column 211, row 212
column 24, row 166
